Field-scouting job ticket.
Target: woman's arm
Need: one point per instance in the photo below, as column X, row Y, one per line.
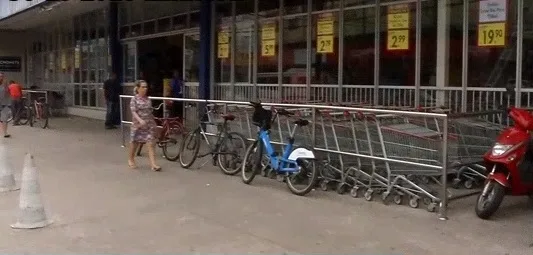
column 133, row 107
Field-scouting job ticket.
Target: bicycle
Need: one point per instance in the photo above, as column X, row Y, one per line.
column 171, row 132
column 224, row 151
column 24, row 113
column 40, row 112
column 293, row 165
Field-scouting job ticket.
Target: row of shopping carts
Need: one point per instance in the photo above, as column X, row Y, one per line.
column 388, row 155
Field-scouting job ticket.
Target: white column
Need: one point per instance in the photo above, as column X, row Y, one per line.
column 443, row 49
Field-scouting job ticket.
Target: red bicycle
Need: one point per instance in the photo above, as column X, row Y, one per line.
column 170, row 132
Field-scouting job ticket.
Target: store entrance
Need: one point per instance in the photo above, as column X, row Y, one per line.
column 158, row 58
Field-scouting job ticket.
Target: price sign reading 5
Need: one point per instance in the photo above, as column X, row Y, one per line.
column 398, row 39
column 491, row 34
column 268, row 48
column 324, row 44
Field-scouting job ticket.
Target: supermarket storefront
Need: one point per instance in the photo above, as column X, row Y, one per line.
column 461, row 54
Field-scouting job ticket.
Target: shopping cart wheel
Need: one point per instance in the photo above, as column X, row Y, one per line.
column 341, row 188
column 456, row 183
column 324, row 185
column 432, row 207
column 469, row 184
column 398, row 199
column 369, row 195
column 413, row 202
column 385, row 197
column 354, row 192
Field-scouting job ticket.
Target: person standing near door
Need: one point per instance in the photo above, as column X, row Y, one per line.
column 15, row 91
column 177, row 92
column 5, row 105
column 112, row 91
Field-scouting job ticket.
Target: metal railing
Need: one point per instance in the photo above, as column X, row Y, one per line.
column 440, row 166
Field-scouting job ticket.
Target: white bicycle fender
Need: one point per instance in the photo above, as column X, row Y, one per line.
column 301, row 153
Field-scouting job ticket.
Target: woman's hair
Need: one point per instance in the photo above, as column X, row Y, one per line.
column 138, row 85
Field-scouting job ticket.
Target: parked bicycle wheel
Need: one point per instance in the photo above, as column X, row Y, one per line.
column 231, row 153
column 171, row 147
column 251, row 165
column 303, row 181
column 24, row 115
column 189, row 148
column 45, row 113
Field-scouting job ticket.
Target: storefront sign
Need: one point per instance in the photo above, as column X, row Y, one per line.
column 63, row 60
column 492, row 11
column 324, row 43
column 77, row 57
column 398, row 39
column 398, row 17
column 325, row 26
column 268, row 40
column 10, row 64
column 223, row 44
column 491, row 34
column 223, row 50
column 325, row 34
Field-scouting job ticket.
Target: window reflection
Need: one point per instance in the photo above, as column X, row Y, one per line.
column 191, row 57
column 268, row 48
column 359, row 32
column 295, row 50
column 324, row 45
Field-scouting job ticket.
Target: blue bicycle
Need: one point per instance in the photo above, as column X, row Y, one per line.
column 295, row 166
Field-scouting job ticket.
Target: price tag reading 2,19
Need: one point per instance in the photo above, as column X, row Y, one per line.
column 491, row 34
column 398, row 39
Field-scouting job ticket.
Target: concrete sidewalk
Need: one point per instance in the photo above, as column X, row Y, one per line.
column 99, row 205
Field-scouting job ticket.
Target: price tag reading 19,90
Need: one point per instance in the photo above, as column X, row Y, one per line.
column 491, row 34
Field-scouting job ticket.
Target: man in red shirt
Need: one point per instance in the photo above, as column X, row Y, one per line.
column 15, row 90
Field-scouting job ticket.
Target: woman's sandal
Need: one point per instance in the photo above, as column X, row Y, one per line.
column 132, row 165
column 156, row 169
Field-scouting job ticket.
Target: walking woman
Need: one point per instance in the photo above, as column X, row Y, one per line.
column 144, row 126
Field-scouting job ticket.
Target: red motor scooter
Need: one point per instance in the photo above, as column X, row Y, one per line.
column 510, row 162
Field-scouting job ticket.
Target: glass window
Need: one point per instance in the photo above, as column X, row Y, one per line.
column 244, row 7
column 324, row 45
column 359, row 57
column 325, row 5
column 130, row 55
column 295, row 50
column 243, row 54
column 527, row 53
column 295, row 6
column 179, row 21
column 397, row 43
column 491, row 50
column 428, row 44
column 195, row 19
column 164, row 25
column 268, row 48
column 268, row 8
column 223, row 43
column 348, row 3
column 191, row 58
column 455, row 44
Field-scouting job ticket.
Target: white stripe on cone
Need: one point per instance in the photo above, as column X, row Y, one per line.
column 7, row 179
column 31, row 210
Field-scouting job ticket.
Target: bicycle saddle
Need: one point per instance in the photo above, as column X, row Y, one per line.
column 301, row 122
column 228, row 117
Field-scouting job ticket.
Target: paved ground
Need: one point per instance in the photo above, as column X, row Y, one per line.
column 101, row 206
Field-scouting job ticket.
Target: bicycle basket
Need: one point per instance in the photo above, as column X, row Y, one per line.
column 262, row 117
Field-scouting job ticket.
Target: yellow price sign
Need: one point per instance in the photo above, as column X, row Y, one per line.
column 491, row 34
column 223, row 37
column 268, row 32
column 324, row 44
column 325, row 26
column 398, row 20
column 223, row 50
column 268, row 48
column 398, row 39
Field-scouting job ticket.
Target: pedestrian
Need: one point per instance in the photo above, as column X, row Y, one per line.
column 177, row 92
column 144, row 125
column 5, row 106
column 15, row 91
column 112, row 91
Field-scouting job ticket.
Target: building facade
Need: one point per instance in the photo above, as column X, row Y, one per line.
column 465, row 55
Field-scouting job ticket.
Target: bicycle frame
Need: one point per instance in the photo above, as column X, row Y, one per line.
column 212, row 149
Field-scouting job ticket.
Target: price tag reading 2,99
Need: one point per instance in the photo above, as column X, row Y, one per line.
column 491, row 34
column 398, row 39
